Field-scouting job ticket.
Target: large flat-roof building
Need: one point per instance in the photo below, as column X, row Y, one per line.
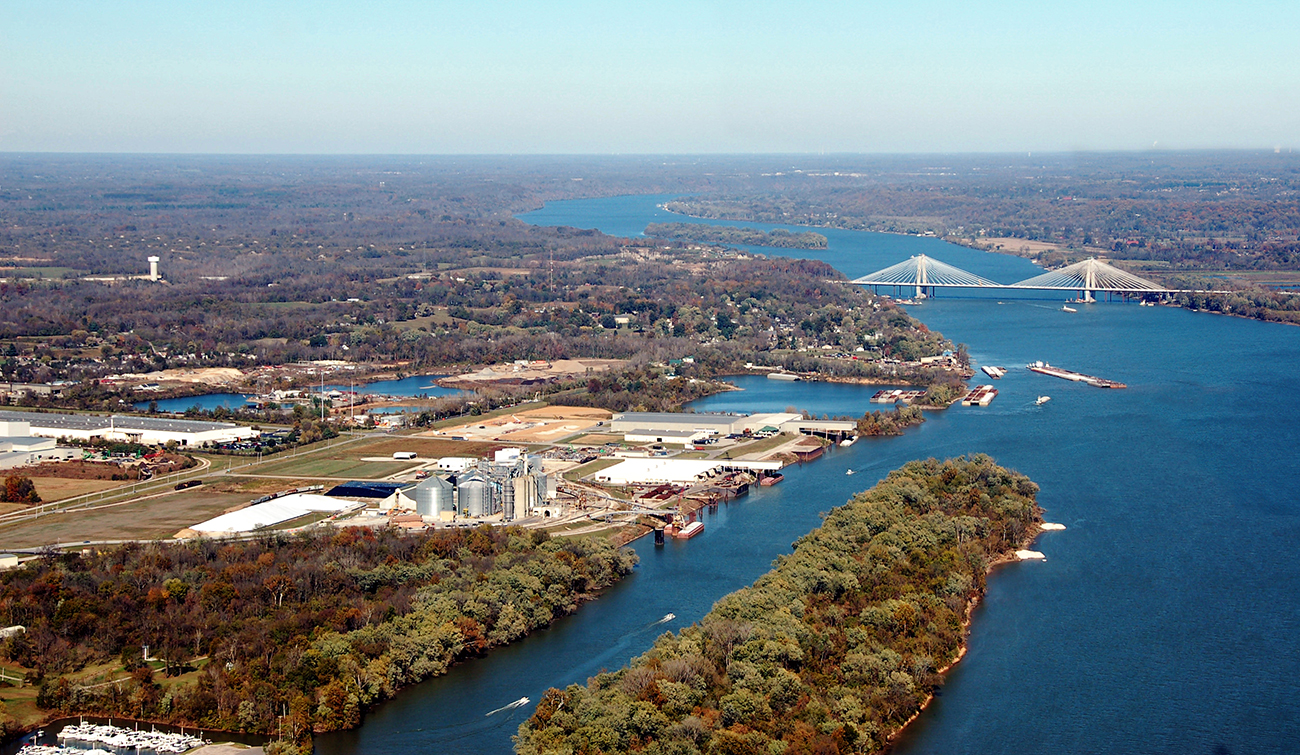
column 18, row 448
column 679, row 471
column 646, row 424
column 118, row 427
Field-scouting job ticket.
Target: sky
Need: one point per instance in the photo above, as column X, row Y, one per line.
column 622, row 77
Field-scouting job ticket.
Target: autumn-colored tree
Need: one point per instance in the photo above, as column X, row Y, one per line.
column 19, row 489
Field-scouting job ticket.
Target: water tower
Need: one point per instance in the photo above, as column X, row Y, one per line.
column 153, row 268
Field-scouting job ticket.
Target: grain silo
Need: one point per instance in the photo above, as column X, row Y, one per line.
column 434, row 496
column 476, row 499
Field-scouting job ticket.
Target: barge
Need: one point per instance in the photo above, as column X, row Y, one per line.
column 896, row 395
column 1044, row 368
column 770, row 480
column 993, row 372
column 687, row 532
column 982, row 395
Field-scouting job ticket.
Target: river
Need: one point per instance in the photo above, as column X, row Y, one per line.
column 1164, row 620
column 408, row 387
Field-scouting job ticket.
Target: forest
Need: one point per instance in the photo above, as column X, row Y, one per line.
column 1196, row 210
column 833, row 650
column 289, row 634
column 730, row 235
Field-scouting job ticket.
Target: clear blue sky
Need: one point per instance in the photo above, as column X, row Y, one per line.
column 634, row 77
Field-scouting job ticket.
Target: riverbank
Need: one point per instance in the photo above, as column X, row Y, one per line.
column 1009, row 557
column 523, row 581
column 834, row 647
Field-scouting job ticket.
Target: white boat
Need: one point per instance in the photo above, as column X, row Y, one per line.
column 1068, row 308
column 848, row 442
column 849, row 472
column 1042, row 400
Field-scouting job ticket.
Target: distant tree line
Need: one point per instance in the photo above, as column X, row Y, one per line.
column 729, row 235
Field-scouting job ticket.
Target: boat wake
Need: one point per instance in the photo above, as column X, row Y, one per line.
column 521, row 702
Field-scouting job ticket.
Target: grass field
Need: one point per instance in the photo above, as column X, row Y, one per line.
column 322, row 466
column 596, row 439
column 57, row 488
column 427, row 448
column 591, row 467
column 758, row 446
column 149, row 518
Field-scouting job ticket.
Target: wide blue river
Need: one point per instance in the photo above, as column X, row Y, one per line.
column 1166, row 619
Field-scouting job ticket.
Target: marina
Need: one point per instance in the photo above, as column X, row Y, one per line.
column 1044, row 368
column 119, row 738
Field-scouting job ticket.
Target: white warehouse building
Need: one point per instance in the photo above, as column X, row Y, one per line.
column 147, row 430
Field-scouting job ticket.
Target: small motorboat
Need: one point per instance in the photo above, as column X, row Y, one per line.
column 1068, row 308
column 1042, row 400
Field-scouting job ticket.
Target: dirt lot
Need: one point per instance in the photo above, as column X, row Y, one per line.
column 204, row 375
column 544, row 425
column 511, row 372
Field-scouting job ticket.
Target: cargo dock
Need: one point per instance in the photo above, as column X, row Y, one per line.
column 1046, row 369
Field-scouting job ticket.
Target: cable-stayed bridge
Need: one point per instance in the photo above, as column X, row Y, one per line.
column 1087, row 278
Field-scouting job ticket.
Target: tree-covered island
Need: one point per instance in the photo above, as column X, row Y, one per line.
column 834, row 650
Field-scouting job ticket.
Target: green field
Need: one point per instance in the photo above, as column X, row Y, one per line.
column 318, row 465
column 591, row 467
column 38, row 272
column 758, row 446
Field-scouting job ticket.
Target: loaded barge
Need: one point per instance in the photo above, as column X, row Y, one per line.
column 1078, row 377
column 981, row 396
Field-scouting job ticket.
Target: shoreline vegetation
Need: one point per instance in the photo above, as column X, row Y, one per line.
column 731, row 235
column 285, row 635
column 836, row 649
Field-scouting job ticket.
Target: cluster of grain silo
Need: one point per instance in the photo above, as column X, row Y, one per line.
column 477, row 495
column 434, row 497
column 513, row 487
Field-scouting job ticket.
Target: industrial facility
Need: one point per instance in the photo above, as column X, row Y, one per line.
column 668, row 427
column 144, row 430
column 511, row 486
column 19, row 448
column 268, row 513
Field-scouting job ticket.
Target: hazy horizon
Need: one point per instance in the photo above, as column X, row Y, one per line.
column 670, row 78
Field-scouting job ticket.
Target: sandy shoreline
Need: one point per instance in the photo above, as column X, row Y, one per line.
column 1006, row 558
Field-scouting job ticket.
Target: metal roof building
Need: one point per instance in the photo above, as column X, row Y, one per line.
column 147, row 430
